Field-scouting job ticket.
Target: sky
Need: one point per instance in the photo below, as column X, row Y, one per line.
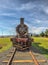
column 34, row 12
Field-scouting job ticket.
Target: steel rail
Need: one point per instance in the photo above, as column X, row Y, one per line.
column 11, row 58
column 33, row 57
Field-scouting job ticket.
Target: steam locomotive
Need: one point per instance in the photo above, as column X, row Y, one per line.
column 22, row 40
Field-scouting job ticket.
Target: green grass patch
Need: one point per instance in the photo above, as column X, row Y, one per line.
column 5, row 43
column 41, row 43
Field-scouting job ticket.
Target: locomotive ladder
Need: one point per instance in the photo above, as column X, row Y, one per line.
column 9, row 62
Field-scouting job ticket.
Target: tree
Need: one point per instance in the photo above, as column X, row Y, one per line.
column 42, row 34
column 46, row 33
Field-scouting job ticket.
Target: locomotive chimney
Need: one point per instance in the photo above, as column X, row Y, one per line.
column 21, row 20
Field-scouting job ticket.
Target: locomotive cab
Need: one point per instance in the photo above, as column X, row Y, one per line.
column 22, row 40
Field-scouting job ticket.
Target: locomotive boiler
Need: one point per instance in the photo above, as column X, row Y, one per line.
column 22, row 40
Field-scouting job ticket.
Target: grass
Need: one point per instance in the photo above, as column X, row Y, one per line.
column 41, row 43
column 5, row 44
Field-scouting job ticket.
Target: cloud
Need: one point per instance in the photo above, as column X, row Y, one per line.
column 46, row 9
column 38, row 30
column 16, row 5
column 7, row 14
column 35, row 13
column 27, row 6
column 38, row 21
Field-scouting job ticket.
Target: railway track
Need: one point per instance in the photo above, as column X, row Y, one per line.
column 10, row 61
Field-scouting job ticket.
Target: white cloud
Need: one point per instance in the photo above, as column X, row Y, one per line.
column 26, row 6
column 7, row 14
column 37, row 30
column 45, row 9
column 38, row 21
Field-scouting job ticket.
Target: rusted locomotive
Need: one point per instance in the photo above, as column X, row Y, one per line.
column 22, row 40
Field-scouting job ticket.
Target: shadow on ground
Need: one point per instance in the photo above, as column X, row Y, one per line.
column 39, row 49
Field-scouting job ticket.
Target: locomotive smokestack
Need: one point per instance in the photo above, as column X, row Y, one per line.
column 21, row 20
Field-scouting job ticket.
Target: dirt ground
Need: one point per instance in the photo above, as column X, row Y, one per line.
column 19, row 56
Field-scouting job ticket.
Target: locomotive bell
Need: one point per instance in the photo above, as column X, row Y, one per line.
column 21, row 20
